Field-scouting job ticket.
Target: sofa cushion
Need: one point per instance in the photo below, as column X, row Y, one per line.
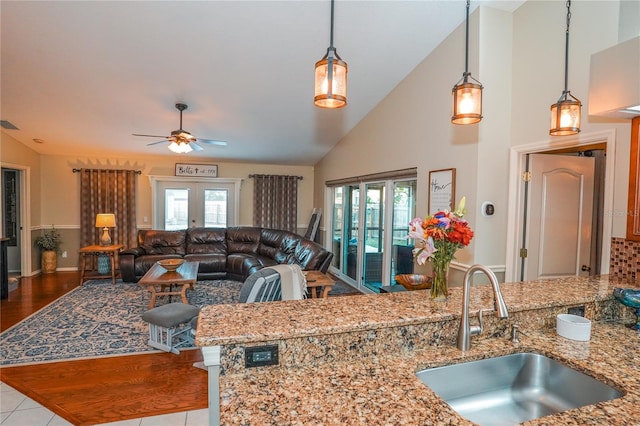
column 162, row 242
column 270, row 240
column 287, row 249
column 208, row 262
column 243, row 239
column 206, row 240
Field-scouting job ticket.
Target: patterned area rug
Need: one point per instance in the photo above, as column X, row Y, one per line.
column 95, row 320
column 100, row 319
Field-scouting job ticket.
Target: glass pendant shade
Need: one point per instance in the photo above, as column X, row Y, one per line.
column 565, row 116
column 467, row 103
column 330, row 82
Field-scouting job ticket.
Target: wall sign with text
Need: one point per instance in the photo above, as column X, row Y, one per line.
column 200, row 170
column 442, row 190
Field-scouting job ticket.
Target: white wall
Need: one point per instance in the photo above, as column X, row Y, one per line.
column 519, row 58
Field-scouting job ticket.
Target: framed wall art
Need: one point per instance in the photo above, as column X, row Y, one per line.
column 442, row 190
column 200, row 170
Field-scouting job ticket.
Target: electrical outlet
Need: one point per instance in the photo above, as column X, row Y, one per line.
column 260, row 356
column 145, row 219
column 64, row 254
column 576, row 310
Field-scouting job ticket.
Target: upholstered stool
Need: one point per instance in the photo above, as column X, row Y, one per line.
column 168, row 323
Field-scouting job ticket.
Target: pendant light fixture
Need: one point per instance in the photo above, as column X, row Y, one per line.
column 331, row 77
column 467, row 93
column 565, row 114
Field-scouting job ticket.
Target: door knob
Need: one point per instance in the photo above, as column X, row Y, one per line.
column 586, row 268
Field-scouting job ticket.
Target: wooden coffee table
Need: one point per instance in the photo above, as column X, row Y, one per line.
column 317, row 279
column 161, row 282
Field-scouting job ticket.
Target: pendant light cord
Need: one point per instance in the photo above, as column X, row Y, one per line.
column 566, row 49
column 466, row 44
column 331, row 34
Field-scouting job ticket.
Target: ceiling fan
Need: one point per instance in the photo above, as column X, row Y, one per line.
column 181, row 141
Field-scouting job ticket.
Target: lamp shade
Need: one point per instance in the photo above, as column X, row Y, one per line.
column 105, row 220
column 565, row 117
column 467, row 103
column 330, row 82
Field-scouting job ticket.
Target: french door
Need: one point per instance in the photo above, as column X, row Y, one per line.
column 367, row 252
column 181, row 203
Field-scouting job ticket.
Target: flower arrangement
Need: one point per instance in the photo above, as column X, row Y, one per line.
column 49, row 240
column 438, row 237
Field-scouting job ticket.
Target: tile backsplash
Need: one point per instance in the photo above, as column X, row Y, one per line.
column 625, row 258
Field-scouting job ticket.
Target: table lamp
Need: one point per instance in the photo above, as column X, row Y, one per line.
column 105, row 221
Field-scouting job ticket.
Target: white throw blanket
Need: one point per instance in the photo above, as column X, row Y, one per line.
column 292, row 281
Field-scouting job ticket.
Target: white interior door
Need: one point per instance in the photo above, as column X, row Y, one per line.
column 559, row 216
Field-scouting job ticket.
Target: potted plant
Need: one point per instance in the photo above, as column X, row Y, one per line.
column 49, row 242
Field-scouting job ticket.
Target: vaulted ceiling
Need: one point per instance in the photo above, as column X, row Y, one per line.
column 82, row 76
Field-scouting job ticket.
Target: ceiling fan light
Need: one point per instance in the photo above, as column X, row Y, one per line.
column 180, row 148
column 173, row 146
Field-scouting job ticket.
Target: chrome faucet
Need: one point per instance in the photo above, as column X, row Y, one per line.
column 466, row 331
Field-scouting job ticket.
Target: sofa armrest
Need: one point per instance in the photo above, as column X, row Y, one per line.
column 136, row 251
column 324, row 266
column 127, row 260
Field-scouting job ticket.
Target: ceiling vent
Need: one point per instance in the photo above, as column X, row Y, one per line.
column 7, row 125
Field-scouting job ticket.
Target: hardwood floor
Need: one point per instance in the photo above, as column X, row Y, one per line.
column 34, row 293
column 100, row 390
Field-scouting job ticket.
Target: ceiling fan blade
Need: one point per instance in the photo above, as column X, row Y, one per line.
column 156, row 143
column 212, row 142
column 195, row 146
column 150, row 136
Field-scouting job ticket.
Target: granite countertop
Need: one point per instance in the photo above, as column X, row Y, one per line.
column 382, row 389
column 255, row 322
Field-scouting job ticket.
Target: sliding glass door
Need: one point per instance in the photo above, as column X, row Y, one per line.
column 404, row 209
column 367, row 253
column 373, row 236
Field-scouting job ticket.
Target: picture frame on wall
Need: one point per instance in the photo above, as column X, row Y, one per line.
column 199, row 170
column 442, row 190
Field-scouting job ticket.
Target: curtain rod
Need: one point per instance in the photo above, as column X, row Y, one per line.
column 138, row 172
column 298, row 177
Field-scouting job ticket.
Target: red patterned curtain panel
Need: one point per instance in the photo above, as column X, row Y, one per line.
column 275, row 202
column 108, row 191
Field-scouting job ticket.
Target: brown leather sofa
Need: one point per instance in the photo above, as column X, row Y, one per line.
column 223, row 253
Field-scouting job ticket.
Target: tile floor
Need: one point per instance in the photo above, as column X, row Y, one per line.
column 19, row 410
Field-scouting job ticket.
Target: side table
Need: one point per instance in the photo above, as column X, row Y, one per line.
column 315, row 280
column 111, row 251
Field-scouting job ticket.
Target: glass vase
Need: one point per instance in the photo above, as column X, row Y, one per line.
column 440, row 275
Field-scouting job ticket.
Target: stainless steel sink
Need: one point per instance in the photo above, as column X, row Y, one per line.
column 511, row 389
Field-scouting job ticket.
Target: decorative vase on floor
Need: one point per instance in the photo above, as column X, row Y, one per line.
column 104, row 264
column 440, row 275
column 49, row 261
